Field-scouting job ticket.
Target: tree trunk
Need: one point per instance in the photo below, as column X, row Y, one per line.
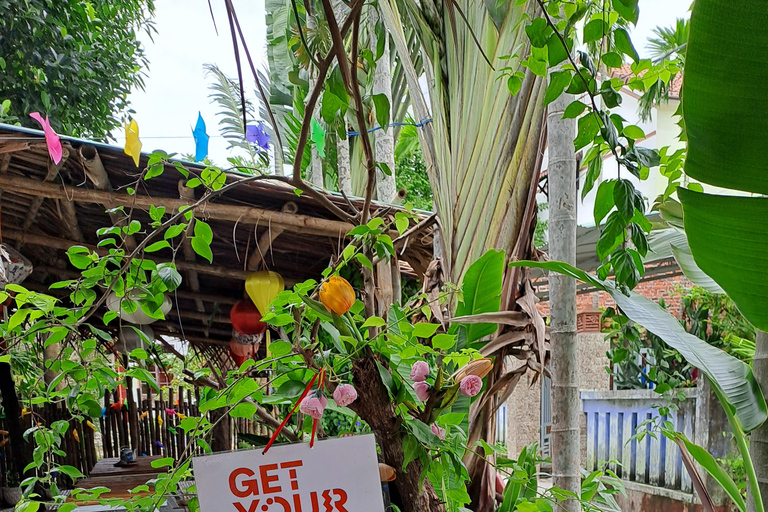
column 758, row 439
column 566, row 406
column 383, row 140
column 378, row 411
column 221, row 434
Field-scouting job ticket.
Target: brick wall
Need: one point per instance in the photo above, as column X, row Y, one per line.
column 654, row 290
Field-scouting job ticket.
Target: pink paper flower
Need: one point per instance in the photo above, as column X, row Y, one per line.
column 419, row 371
column 438, row 431
column 313, row 406
column 471, row 385
column 422, row 390
column 170, row 412
column 344, row 395
column 54, row 144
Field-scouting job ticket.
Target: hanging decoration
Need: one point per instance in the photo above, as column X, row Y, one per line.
column 14, row 267
column 246, row 319
column 138, row 317
column 318, row 138
column 243, row 347
column 132, row 142
column 51, row 138
column 201, row 139
column 262, row 287
column 255, row 134
column 128, row 339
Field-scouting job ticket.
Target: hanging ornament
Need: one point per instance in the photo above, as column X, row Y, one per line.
column 246, row 319
column 51, row 138
column 239, row 351
column 128, row 339
column 132, row 142
column 201, row 139
column 255, row 134
column 263, row 287
column 138, row 317
column 14, row 267
column 247, row 339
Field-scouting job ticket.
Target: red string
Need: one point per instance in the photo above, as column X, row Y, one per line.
column 298, row 402
column 314, row 429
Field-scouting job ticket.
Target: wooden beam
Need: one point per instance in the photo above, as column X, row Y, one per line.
column 264, row 243
column 224, row 212
column 63, row 244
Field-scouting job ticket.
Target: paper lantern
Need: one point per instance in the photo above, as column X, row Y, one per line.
column 246, row 319
column 263, row 287
column 240, row 352
column 128, row 339
column 246, row 339
column 138, row 317
column 14, row 267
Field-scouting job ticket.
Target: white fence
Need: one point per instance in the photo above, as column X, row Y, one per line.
column 613, row 418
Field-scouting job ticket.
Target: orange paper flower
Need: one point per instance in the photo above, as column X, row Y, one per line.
column 337, row 295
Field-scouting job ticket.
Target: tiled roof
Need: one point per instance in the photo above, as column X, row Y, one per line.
column 625, row 73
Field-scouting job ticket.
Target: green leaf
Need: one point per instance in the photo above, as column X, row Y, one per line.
column 574, row 110
column 589, row 127
column 169, row 275
column 364, row 260
column 386, row 378
column 612, row 60
column 162, row 244
column 202, row 248
column 624, row 43
column 481, row 290
column 594, row 168
column 730, row 376
column 381, row 104
column 443, row 341
column 165, row 462
column 623, row 197
column 710, row 465
column 595, row 30
column 243, row 410
column 727, row 139
column 728, row 237
column 424, row 330
column 537, row 32
column 373, row 321
column 279, row 348
column 627, row 9
column 692, row 271
column 203, row 230
column 558, row 81
column 514, row 84
column 604, row 200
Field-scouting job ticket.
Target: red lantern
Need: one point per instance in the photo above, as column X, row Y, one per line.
column 246, row 319
column 240, row 352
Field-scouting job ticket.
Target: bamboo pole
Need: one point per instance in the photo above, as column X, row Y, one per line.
column 562, row 242
column 294, row 223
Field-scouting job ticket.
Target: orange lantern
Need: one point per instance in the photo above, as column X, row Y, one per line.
column 241, row 352
column 263, row 287
column 246, row 319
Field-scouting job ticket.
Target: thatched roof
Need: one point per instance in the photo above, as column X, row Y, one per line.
column 46, row 209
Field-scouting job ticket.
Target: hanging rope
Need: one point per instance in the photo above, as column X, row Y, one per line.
column 417, row 125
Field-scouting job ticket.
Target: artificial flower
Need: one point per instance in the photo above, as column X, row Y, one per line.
column 255, row 134
column 471, row 385
column 337, row 295
column 201, row 139
column 313, row 405
column 132, row 142
column 438, row 431
column 422, row 391
column 419, row 371
column 344, row 395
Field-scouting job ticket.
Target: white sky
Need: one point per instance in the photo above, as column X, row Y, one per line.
column 176, row 88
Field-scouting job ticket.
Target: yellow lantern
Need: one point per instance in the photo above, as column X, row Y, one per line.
column 262, row 287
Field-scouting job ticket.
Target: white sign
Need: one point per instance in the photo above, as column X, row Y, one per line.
column 337, row 475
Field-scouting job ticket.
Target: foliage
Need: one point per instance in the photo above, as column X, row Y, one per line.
column 640, row 359
column 720, row 32
column 411, row 174
column 75, row 61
